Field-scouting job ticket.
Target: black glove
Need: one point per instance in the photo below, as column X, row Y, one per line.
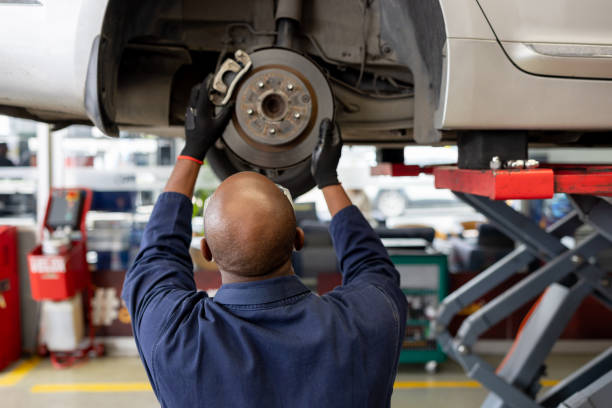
column 202, row 127
column 326, row 155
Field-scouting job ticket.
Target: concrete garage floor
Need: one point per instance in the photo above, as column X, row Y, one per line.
column 121, row 382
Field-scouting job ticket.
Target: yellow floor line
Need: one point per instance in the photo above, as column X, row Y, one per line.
column 144, row 386
column 16, row 374
column 92, row 387
column 452, row 384
column 435, row 384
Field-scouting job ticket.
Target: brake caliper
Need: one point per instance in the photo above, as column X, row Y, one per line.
column 228, row 76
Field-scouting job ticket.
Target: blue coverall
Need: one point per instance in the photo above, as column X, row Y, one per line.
column 270, row 343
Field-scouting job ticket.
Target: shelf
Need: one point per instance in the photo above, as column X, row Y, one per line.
column 415, row 291
column 130, row 178
column 18, row 180
column 418, row 322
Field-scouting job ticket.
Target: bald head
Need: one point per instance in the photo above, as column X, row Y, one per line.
column 249, row 226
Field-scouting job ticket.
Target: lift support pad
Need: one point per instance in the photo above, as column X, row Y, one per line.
column 512, row 184
column 541, row 183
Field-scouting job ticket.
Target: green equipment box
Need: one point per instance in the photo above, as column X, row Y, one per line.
column 424, row 281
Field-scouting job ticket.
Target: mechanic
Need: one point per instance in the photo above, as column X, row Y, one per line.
column 264, row 340
column 4, row 160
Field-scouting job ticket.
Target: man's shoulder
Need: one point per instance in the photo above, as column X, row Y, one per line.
column 367, row 297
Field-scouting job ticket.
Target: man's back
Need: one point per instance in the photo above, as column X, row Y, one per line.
column 268, row 343
column 289, row 348
column 264, row 340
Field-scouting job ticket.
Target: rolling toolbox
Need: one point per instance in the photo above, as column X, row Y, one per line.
column 10, row 327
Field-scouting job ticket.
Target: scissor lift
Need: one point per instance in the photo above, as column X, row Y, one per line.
column 566, row 277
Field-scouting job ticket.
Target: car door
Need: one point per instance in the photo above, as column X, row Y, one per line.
column 565, row 38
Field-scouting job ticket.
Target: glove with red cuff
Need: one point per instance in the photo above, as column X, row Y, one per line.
column 202, row 127
column 326, row 155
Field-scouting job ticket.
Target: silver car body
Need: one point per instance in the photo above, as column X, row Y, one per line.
column 522, row 64
column 44, row 55
column 551, row 71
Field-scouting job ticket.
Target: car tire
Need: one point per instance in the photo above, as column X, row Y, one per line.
column 391, row 202
column 296, row 178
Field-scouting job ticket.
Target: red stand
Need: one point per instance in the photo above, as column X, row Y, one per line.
column 59, row 277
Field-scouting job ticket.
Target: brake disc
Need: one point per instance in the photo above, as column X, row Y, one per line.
column 280, row 104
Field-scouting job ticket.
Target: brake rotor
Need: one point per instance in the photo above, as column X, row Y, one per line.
column 280, row 104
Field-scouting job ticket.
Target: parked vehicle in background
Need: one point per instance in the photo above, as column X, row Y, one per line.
column 399, row 201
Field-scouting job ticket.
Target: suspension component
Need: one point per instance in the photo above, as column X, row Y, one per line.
column 228, row 76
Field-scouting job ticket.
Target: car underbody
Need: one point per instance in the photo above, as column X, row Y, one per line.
column 379, row 67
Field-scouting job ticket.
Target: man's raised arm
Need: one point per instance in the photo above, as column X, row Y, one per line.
column 162, row 272
column 360, row 251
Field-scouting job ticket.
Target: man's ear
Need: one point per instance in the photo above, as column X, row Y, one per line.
column 206, row 250
column 299, row 239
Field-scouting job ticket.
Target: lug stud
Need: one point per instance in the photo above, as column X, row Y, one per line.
column 297, row 115
column 290, row 86
column 250, row 112
column 272, row 131
column 260, row 84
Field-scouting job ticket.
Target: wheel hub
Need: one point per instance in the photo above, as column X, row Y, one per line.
column 279, row 106
column 274, row 106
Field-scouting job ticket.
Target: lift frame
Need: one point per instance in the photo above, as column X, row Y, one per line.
column 566, row 277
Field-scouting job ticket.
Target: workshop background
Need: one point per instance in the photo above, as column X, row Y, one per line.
column 437, row 242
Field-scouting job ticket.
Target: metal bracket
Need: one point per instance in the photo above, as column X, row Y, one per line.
column 232, row 70
column 515, row 383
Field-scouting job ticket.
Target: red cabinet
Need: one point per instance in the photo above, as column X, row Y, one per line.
column 10, row 328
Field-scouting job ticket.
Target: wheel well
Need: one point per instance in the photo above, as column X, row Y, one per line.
column 417, row 32
column 187, row 39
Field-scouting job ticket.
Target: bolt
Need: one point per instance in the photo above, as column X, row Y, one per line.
column 272, row 131
column 577, row 259
column 462, row 349
column 290, row 86
column 305, row 98
column 495, row 163
column 297, row 115
column 250, row 112
column 260, row 84
column 515, row 164
column 532, row 164
column 386, row 49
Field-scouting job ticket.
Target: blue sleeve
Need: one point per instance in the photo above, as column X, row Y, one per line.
column 363, row 258
column 161, row 276
column 359, row 250
column 365, row 265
